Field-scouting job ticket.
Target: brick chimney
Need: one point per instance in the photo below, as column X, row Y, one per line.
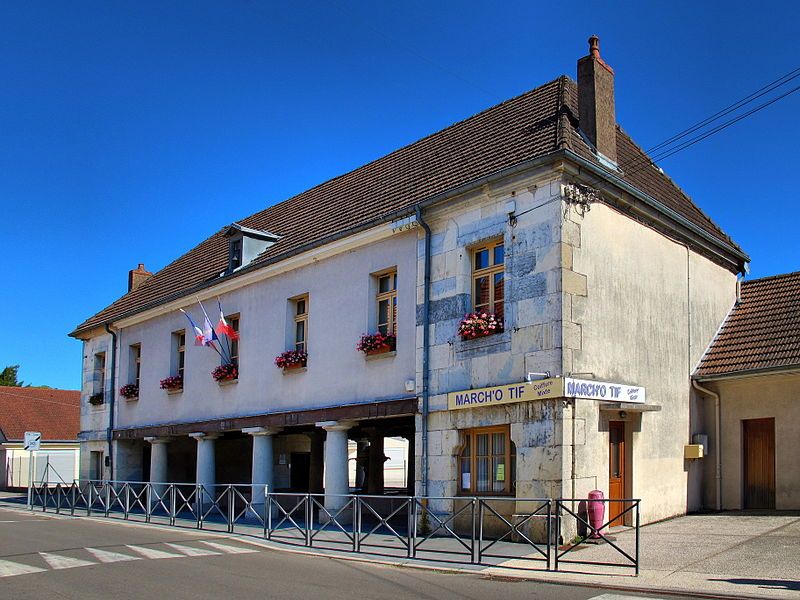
column 138, row 276
column 596, row 101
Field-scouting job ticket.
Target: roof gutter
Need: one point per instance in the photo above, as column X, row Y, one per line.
column 717, row 440
column 426, row 303
column 780, row 370
column 661, row 208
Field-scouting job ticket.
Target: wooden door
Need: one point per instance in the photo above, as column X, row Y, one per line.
column 758, row 458
column 616, row 471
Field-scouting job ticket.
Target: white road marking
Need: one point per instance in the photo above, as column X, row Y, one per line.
column 8, row 568
column 621, row 597
column 153, row 553
column 56, row 561
column 106, row 556
column 229, row 549
column 189, row 551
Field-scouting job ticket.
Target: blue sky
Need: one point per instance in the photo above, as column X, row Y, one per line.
column 132, row 130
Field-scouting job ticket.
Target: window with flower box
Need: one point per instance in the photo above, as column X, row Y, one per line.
column 233, row 321
column 300, row 305
column 178, row 354
column 488, row 278
column 386, row 299
column 135, row 365
column 487, row 461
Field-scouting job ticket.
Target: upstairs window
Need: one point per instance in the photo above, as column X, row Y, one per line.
column 135, row 367
column 233, row 321
column 301, row 323
column 488, row 278
column 387, row 303
column 179, row 353
column 99, row 378
column 235, row 254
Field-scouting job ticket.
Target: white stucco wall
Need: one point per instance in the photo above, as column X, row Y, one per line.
column 647, row 314
column 341, row 308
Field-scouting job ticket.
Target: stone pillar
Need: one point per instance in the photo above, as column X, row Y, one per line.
column 206, row 463
column 375, row 480
column 411, row 476
column 336, row 476
column 362, row 464
column 159, row 465
column 263, row 461
column 317, row 466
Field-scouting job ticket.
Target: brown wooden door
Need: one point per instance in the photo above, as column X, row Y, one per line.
column 616, row 470
column 758, row 457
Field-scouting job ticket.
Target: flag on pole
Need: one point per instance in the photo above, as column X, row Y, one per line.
column 209, row 335
column 223, row 327
column 198, row 333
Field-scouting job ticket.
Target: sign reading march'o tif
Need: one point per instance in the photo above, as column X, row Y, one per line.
column 602, row 390
column 543, row 389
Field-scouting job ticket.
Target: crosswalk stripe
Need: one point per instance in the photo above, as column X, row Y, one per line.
column 8, row 568
column 189, row 551
column 153, row 553
column 56, row 561
column 229, row 549
column 106, row 556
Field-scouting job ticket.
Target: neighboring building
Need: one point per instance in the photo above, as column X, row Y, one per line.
column 53, row 413
column 608, row 283
column 751, row 377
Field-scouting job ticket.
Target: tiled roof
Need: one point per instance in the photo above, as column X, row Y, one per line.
column 532, row 125
column 53, row 413
column 761, row 332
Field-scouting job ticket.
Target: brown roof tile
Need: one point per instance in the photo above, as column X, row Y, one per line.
column 532, row 125
column 53, row 413
column 761, row 332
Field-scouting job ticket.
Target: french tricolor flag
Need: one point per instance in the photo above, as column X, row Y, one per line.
column 198, row 333
column 223, row 327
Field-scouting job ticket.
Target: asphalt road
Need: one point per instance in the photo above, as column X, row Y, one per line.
column 45, row 556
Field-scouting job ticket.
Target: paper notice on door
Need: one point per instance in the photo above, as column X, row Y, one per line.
column 465, row 481
column 500, row 474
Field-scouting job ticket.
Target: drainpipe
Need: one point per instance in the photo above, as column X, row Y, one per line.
column 717, row 426
column 426, row 302
column 110, row 429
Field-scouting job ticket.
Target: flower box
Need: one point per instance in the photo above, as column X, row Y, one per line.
column 291, row 359
column 173, row 384
column 226, row 372
column 376, row 343
column 478, row 325
column 129, row 391
column 96, row 399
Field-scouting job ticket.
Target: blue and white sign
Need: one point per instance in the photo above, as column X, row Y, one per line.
column 603, row 390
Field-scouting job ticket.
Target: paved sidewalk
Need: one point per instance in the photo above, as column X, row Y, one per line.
column 726, row 555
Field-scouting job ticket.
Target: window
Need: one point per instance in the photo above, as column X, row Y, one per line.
column 488, row 275
column 301, row 323
column 135, row 366
column 234, row 323
column 387, row 303
column 95, row 465
column 235, row 254
column 486, row 463
column 99, row 379
column 179, row 352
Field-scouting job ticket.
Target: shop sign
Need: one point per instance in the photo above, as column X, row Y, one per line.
column 602, row 390
column 542, row 389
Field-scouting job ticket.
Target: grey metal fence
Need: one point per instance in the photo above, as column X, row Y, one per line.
column 500, row 531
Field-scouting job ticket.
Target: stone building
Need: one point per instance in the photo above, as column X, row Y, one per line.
column 606, row 283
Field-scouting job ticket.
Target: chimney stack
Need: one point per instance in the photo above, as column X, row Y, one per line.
column 138, row 276
column 596, row 101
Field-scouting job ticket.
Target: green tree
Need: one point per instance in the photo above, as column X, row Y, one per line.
column 8, row 376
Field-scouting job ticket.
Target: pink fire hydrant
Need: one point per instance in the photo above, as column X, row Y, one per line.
column 596, row 510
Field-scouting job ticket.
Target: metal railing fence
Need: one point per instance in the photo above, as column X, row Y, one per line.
column 498, row 531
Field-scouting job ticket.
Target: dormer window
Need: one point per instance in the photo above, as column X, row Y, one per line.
column 235, row 254
column 245, row 245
